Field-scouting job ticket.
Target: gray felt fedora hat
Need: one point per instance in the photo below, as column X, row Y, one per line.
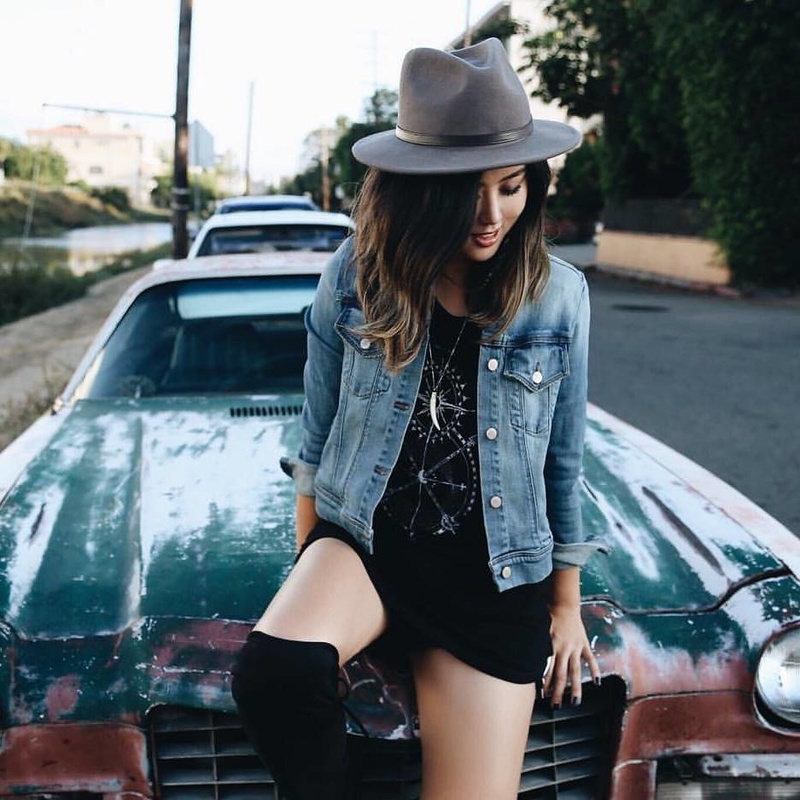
column 463, row 111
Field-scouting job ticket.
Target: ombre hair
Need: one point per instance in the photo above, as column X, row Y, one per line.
column 409, row 227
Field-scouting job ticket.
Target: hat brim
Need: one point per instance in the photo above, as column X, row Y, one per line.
column 390, row 154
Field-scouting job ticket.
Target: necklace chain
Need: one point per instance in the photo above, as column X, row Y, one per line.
column 434, row 399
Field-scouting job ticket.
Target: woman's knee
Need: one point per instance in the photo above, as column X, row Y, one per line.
column 287, row 695
column 283, row 674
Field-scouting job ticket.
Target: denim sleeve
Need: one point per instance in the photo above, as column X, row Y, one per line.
column 564, row 459
column 321, row 376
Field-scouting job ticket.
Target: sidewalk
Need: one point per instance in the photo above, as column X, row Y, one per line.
column 584, row 256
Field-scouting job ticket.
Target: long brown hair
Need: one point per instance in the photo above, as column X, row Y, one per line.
column 408, row 228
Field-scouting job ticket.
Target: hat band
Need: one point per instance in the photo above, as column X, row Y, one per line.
column 465, row 140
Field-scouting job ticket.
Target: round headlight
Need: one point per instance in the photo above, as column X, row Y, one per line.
column 778, row 676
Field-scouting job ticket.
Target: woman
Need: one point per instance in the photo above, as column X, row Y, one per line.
column 437, row 481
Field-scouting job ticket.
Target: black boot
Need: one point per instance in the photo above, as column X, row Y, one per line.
column 287, row 696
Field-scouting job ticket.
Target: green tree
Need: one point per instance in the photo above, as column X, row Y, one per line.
column 203, row 191
column 598, row 59
column 344, row 172
column 380, row 114
column 310, row 180
column 697, row 96
column 501, row 27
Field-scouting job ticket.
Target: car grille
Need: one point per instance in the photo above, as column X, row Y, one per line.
column 204, row 755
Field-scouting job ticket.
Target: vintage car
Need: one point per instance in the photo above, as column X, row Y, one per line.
column 269, row 231
column 145, row 523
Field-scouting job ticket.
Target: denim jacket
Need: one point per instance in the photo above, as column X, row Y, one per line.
column 532, row 384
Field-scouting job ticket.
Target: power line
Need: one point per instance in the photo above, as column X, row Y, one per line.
column 109, row 110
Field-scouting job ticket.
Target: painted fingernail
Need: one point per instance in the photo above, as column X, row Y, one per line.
column 597, row 681
column 555, row 706
column 576, row 701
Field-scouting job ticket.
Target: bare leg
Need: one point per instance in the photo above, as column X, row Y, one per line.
column 328, row 597
column 473, row 728
column 285, row 677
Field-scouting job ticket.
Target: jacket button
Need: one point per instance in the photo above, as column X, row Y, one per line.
column 505, row 572
column 537, row 377
column 492, row 364
column 364, row 343
column 491, row 433
column 496, row 501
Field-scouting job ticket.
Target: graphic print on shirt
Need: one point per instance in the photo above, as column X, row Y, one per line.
column 435, row 482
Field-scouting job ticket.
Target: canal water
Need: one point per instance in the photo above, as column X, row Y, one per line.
column 85, row 249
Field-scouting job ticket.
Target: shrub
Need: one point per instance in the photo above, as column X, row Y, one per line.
column 578, row 200
column 114, row 196
column 29, row 289
column 737, row 65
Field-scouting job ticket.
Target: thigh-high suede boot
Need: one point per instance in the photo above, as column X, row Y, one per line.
column 287, row 695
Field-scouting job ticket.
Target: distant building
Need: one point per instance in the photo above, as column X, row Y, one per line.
column 201, row 146
column 101, row 155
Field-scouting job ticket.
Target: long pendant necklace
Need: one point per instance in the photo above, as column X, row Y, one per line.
column 433, row 403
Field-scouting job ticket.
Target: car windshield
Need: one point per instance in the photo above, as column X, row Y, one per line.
column 232, row 335
column 270, row 238
column 276, row 205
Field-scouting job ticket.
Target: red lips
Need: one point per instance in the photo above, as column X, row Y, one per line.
column 486, row 239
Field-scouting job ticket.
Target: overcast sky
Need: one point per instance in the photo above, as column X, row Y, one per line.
column 309, row 61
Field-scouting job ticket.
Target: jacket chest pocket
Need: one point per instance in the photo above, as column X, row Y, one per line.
column 533, row 374
column 363, row 372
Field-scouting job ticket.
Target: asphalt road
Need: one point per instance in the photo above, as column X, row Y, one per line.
column 715, row 378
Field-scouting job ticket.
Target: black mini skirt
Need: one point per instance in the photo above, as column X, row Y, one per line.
column 430, row 604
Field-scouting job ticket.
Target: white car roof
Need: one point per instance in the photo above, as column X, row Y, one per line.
column 290, row 262
column 283, row 216
column 247, row 199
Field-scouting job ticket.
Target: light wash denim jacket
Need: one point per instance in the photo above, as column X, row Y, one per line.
column 532, row 383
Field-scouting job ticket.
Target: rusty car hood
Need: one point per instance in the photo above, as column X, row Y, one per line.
column 138, row 545
column 669, row 546
column 149, row 509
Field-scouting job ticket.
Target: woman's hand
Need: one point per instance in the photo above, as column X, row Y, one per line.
column 305, row 518
column 570, row 643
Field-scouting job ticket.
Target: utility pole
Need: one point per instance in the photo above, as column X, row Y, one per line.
column 468, row 29
column 326, row 181
column 247, row 146
column 180, row 180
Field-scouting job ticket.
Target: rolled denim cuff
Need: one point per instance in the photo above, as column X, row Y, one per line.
column 575, row 554
column 302, row 473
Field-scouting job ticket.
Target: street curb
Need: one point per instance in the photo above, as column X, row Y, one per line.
column 663, row 280
column 728, row 292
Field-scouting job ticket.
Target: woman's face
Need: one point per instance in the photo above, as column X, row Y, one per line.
column 501, row 199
